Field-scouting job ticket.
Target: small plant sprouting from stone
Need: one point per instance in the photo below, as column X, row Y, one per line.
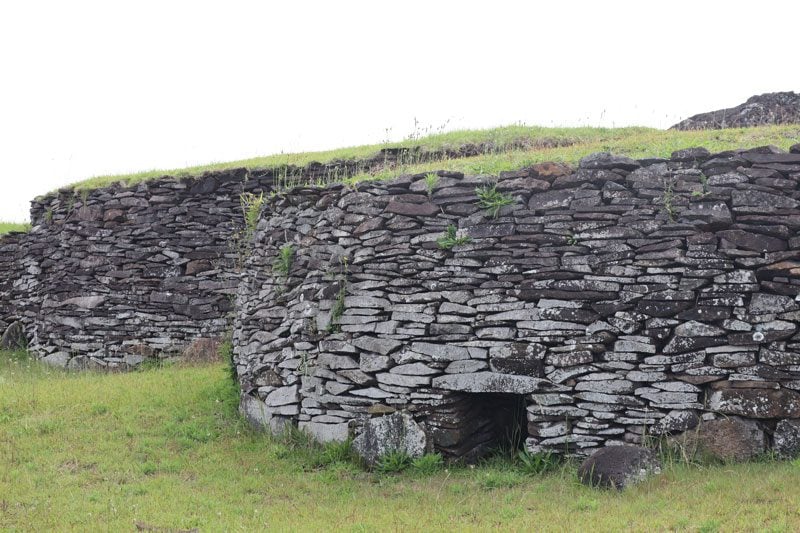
column 48, row 215
column 451, row 238
column 704, row 185
column 283, row 261
column 667, row 200
column 304, row 365
column 492, row 200
column 572, row 240
column 431, row 180
column 251, row 210
column 84, row 197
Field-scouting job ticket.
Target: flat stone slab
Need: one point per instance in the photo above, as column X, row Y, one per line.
column 492, row 382
column 756, row 403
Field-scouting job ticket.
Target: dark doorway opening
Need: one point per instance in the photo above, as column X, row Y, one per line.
column 474, row 425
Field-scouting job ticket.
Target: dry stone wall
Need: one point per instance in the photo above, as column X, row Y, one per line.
column 616, row 300
column 114, row 276
column 122, row 274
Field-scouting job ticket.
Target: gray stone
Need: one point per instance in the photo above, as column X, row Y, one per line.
column 397, row 432
column 376, row 345
column 374, row 363
column 282, row 396
column 676, row 421
column 401, row 380
column 492, row 382
column 441, row 352
column 756, row 403
column 787, row 439
column 619, row 467
column 414, row 369
column 326, row 432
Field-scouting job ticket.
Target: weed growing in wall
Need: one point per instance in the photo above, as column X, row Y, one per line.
column 451, row 238
column 667, row 201
column 251, row 210
column 242, row 240
column 431, row 180
column 283, row 261
column 704, row 185
column 491, row 200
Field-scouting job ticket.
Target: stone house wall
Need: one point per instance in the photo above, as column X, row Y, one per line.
column 616, row 300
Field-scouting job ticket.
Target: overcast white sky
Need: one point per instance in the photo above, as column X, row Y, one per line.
column 91, row 88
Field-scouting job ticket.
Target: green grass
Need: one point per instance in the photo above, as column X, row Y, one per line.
column 165, row 448
column 8, row 227
column 574, row 143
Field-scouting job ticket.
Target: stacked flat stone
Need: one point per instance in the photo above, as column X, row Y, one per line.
column 620, row 299
column 110, row 277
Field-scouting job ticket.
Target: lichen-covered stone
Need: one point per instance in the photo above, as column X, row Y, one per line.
column 396, row 432
column 787, row 438
column 727, row 439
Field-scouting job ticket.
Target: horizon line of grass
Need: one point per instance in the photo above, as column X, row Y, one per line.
column 9, row 227
column 500, row 136
column 571, row 145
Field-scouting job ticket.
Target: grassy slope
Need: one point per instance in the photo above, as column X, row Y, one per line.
column 633, row 141
column 165, row 447
column 7, row 227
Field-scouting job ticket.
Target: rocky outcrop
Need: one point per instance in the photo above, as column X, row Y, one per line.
column 593, row 307
column 760, row 110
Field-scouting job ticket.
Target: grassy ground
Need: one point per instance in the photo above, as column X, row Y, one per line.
column 633, row 141
column 7, row 227
column 164, row 448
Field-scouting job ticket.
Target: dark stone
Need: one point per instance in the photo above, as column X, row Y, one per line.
column 549, row 170
column 195, row 267
column 727, row 439
column 482, row 231
column 769, row 108
column 14, row 337
column 619, row 467
column 517, row 365
column 206, row 185
column 425, row 209
column 607, row 161
column 690, row 154
column 752, row 241
column 756, row 403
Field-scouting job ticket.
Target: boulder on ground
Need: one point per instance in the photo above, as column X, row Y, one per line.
column 619, row 466
column 14, row 337
column 727, row 439
column 397, row 432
